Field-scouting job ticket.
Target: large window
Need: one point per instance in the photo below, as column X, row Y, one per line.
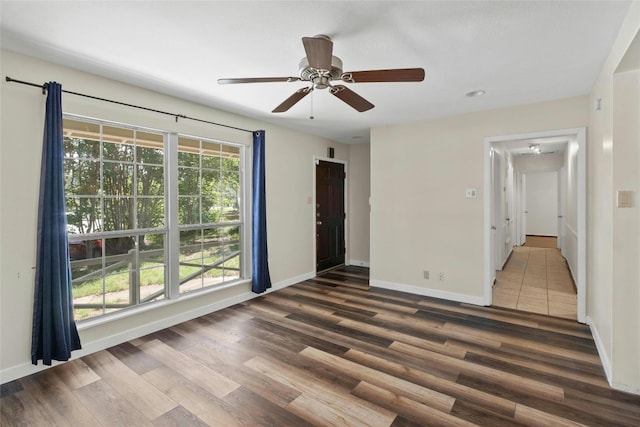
column 118, row 194
column 208, row 212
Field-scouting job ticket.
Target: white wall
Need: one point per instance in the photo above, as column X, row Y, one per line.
column 289, row 177
column 626, row 230
column 420, row 218
column 542, row 204
column 359, row 191
column 613, row 301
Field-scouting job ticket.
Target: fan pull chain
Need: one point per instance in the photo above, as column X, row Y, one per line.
column 311, row 115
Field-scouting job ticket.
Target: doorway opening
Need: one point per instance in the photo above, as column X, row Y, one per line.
column 330, row 214
column 505, row 207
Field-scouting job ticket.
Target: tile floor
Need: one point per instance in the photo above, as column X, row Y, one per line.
column 536, row 280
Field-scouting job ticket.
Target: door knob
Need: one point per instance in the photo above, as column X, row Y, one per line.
column 318, row 222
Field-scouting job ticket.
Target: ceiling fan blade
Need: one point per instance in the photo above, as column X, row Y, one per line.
column 379, row 76
column 292, row 100
column 257, row 80
column 319, row 50
column 351, row 98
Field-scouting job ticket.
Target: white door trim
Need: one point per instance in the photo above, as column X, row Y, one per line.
column 580, row 137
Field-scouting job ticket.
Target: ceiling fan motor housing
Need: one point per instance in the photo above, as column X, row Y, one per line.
column 320, row 78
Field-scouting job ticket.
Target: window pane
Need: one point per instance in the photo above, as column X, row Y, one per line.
column 150, row 180
column 152, row 284
column 210, row 182
column 211, row 160
column 149, row 148
column 83, row 215
column 231, row 266
column 117, row 144
column 188, row 182
column 150, row 212
column 210, row 210
column 190, row 260
column 188, row 159
column 213, row 256
column 117, row 179
column 230, row 165
column 117, row 289
column 81, row 148
column 230, row 213
column 86, row 249
column 152, row 267
column 81, row 177
column 189, row 210
column 151, row 156
column 118, row 213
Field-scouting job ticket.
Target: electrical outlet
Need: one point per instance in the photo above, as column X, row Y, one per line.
column 426, row 274
column 441, row 276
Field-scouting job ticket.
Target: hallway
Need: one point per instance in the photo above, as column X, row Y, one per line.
column 537, row 280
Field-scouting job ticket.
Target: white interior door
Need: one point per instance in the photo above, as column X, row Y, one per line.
column 542, row 204
column 562, row 208
column 498, row 221
column 522, row 208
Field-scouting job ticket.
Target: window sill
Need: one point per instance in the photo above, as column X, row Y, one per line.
column 133, row 311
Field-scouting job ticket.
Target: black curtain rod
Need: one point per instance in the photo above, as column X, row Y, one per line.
column 177, row 116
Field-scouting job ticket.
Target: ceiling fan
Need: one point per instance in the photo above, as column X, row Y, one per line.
column 321, row 68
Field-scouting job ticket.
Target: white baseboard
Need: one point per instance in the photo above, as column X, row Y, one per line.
column 606, row 362
column 435, row 293
column 24, row 369
column 604, row 357
column 359, row 263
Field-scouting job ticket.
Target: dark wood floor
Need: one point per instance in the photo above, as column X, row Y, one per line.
column 333, row 352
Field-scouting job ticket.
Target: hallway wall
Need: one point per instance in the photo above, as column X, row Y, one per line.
column 614, row 299
column 420, row 217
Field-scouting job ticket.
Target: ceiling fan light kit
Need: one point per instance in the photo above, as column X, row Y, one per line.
column 321, row 68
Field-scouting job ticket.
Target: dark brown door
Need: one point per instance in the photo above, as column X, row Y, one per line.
column 330, row 215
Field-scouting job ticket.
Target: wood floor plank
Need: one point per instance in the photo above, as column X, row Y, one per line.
column 521, row 384
column 262, row 412
column 406, row 407
column 333, row 351
column 136, row 359
column 21, row 409
column 233, row 367
column 196, row 372
column 148, row 400
column 60, row 404
column 109, row 407
column 178, row 416
column 396, row 385
column 432, row 382
column 76, row 374
column 352, row 410
column 195, row 399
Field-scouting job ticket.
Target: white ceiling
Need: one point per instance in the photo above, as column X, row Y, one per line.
column 518, row 52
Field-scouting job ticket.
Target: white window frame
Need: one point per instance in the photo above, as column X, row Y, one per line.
column 172, row 227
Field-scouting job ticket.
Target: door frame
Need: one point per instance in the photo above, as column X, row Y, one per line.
column 580, row 135
column 316, row 160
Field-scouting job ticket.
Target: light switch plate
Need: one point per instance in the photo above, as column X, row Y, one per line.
column 624, row 198
column 472, row 193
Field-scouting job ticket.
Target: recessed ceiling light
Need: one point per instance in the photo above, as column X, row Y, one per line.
column 475, row 93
